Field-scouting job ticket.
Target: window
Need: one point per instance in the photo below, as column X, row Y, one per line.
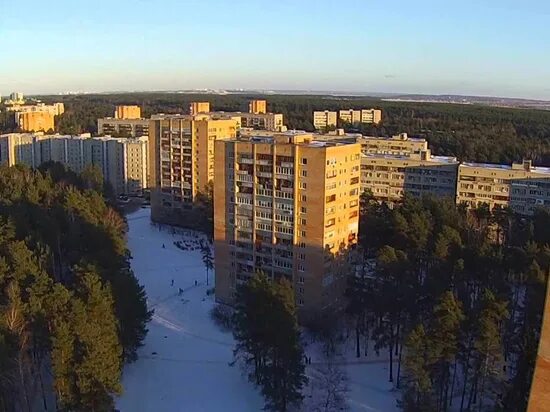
column 304, row 161
column 302, row 221
column 304, row 173
column 301, row 256
column 303, row 209
column 304, row 198
column 303, row 233
column 301, row 267
column 303, row 185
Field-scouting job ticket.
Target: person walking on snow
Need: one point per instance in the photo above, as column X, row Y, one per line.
column 172, row 282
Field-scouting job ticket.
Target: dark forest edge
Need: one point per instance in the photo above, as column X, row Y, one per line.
column 71, row 310
column 469, row 132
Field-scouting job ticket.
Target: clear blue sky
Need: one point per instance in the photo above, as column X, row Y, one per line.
column 482, row 47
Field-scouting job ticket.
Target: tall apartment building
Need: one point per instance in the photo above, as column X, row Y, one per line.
column 257, row 107
column 20, row 148
column 128, row 112
column 324, row 119
column 199, row 107
column 390, row 176
column 492, row 184
column 124, row 162
column 400, row 144
column 285, row 204
column 371, row 116
column 35, row 121
column 181, row 152
column 123, row 127
column 264, row 121
column 350, row 116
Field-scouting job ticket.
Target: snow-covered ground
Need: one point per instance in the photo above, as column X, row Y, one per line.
column 184, row 363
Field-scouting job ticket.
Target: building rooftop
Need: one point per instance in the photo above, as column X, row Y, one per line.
column 526, row 166
column 413, row 156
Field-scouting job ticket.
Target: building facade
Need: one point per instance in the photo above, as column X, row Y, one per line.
column 373, row 116
column 257, row 107
column 400, row 144
column 128, row 112
column 199, row 107
column 181, row 150
column 350, row 116
column 492, row 184
column 35, row 121
column 123, row 162
column 324, row 119
column 123, row 127
column 286, row 205
column 389, row 176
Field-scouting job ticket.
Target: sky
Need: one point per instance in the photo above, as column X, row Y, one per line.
column 470, row 47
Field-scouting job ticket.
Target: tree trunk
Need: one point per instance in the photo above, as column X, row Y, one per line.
column 399, row 365
column 357, row 343
column 453, row 384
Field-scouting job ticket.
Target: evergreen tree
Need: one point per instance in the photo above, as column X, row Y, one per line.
column 268, row 341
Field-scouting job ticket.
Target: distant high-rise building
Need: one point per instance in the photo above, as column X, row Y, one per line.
column 350, row 116
column 182, row 161
column 17, row 97
column 257, row 106
column 128, row 112
column 123, row 127
column 371, row 116
column 286, row 205
column 199, row 107
column 324, row 119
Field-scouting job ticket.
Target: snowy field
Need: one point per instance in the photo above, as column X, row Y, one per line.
column 184, row 363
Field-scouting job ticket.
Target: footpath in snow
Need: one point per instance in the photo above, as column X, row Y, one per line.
column 184, row 363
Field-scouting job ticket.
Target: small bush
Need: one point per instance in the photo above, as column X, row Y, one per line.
column 222, row 316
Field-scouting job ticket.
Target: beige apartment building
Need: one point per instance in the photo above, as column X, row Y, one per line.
column 35, row 121
column 400, row 144
column 286, row 204
column 324, row 119
column 123, row 127
column 373, row 116
column 257, row 107
column 55, row 109
column 128, row 112
column 350, row 116
column 390, row 176
column 492, row 184
column 199, row 107
column 181, row 159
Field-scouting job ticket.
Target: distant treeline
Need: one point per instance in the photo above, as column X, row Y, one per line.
column 469, row 132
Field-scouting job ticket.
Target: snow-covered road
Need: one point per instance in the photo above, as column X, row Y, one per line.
column 184, row 364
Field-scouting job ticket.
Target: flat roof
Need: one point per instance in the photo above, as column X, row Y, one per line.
column 415, row 157
column 533, row 169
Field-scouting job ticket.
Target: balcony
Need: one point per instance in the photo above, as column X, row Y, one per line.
column 264, row 192
column 246, row 160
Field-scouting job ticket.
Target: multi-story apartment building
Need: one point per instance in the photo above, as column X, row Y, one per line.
column 350, row 116
column 371, row 116
column 324, row 119
column 181, row 149
column 257, row 107
column 123, row 127
column 55, row 109
column 199, row 107
column 20, row 148
column 480, row 183
column 400, row 144
column 286, row 205
column 264, row 121
column 128, row 112
column 390, row 176
column 526, row 195
column 124, row 162
column 35, row 121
